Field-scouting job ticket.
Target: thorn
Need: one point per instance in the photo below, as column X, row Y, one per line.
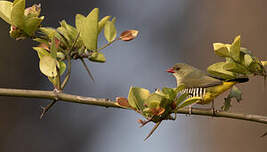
column 46, row 108
column 143, row 123
column 87, row 69
column 153, row 129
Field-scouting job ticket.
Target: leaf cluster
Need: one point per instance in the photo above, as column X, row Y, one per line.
column 239, row 62
column 158, row 105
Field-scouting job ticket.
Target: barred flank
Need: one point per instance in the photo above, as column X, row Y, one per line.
column 195, row 92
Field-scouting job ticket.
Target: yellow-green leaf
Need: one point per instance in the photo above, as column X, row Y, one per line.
column 41, row 51
column 220, row 49
column 48, row 65
column 247, row 59
column 102, row 22
column 5, row 11
column 62, row 67
column 50, row 32
column 32, row 24
column 88, row 28
column 264, row 63
column 17, row 13
column 137, row 96
column 235, row 49
column 110, row 31
column 190, row 101
column 236, row 68
column 97, row 57
column 217, row 70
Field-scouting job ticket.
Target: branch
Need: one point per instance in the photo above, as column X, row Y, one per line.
column 103, row 102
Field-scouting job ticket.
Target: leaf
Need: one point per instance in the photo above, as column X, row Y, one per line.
column 234, row 93
column 236, row 68
column 169, row 93
column 181, row 98
column 48, row 65
column 50, row 32
column 190, row 101
column 5, row 11
column 221, row 50
column 97, row 57
column 17, row 13
column 235, row 49
column 110, row 31
column 247, row 59
column 53, row 48
column 62, row 67
column 102, row 23
column 227, row 104
column 123, row 102
column 32, row 24
column 137, row 96
column 217, row 70
column 264, row 63
column 153, row 101
column 88, row 28
column 41, row 51
column 129, row 35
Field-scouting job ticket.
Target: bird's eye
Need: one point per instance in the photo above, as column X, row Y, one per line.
column 177, row 68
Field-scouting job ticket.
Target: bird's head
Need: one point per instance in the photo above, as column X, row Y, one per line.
column 180, row 70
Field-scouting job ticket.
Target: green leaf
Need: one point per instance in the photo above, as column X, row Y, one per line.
column 181, row 98
column 235, row 49
column 5, row 11
column 110, row 31
column 221, row 50
column 48, row 65
column 32, row 24
column 217, row 70
column 190, row 101
column 236, row 68
column 53, row 48
column 50, row 32
column 102, row 22
column 234, row 93
column 97, row 57
column 17, row 13
column 137, row 96
column 88, row 28
column 227, row 104
column 264, row 63
column 153, row 101
column 169, row 93
column 41, row 52
column 62, row 67
column 247, row 59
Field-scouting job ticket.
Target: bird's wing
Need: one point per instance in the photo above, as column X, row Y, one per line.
column 199, row 79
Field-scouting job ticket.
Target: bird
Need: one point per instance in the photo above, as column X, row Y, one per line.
column 199, row 84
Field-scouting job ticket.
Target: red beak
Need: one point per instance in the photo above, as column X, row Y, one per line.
column 170, row 70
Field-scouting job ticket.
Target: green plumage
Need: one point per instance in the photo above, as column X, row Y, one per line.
column 192, row 77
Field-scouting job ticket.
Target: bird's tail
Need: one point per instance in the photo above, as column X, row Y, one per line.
column 239, row 80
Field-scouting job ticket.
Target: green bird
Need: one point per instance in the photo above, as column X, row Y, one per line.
column 199, row 84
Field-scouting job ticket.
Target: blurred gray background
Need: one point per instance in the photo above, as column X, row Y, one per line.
column 170, row 31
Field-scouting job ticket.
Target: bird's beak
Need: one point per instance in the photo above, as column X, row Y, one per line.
column 170, row 70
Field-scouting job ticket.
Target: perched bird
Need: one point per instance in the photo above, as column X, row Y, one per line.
column 199, row 84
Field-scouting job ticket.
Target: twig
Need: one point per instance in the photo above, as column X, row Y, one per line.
column 108, row 103
column 87, row 69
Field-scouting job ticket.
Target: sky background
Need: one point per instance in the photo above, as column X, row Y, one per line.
column 171, row 31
